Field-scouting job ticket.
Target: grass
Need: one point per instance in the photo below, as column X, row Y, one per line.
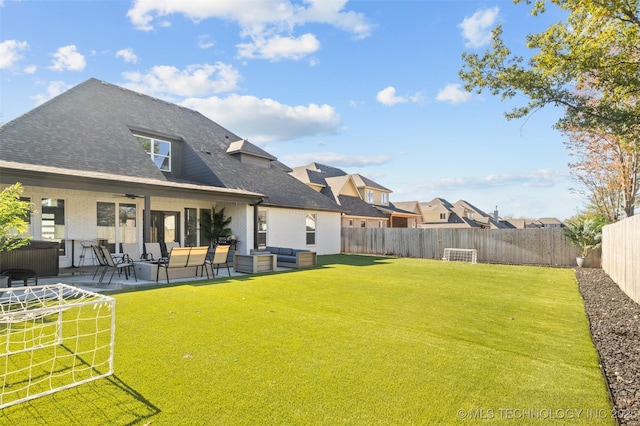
column 360, row 340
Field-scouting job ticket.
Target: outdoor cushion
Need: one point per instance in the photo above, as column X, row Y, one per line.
column 286, row 251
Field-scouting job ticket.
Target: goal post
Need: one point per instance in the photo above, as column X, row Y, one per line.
column 460, row 255
column 53, row 337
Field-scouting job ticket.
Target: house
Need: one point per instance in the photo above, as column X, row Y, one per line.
column 100, row 162
column 439, row 213
column 365, row 202
column 545, row 222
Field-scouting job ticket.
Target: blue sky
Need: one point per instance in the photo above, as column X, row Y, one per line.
column 371, row 87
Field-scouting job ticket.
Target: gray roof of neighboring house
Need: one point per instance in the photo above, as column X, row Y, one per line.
column 90, row 129
column 354, row 206
column 393, row 209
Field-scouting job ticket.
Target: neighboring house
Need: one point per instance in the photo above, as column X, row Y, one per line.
column 102, row 162
column 366, row 203
column 545, row 222
column 439, row 213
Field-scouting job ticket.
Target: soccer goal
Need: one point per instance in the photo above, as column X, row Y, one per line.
column 53, row 337
column 460, row 255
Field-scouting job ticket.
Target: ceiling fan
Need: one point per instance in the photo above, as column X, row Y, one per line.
column 129, row 196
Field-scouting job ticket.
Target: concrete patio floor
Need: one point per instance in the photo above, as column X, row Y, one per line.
column 83, row 277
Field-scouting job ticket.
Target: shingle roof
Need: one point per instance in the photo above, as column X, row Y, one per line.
column 90, row 128
column 354, row 206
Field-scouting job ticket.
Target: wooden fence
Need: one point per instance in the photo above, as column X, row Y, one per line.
column 547, row 247
column 621, row 255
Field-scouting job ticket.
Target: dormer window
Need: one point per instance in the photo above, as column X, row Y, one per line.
column 158, row 150
column 370, row 196
column 385, row 198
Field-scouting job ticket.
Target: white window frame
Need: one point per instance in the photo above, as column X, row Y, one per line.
column 385, row 198
column 311, row 231
column 152, row 154
column 370, row 196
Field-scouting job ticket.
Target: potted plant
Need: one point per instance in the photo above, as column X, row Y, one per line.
column 13, row 222
column 215, row 225
column 585, row 233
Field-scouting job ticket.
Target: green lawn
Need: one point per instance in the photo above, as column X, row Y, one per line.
column 359, row 340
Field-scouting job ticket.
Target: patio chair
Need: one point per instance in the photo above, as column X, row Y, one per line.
column 102, row 263
column 131, row 250
column 218, row 257
column 178, row 258
column 123, row 263
column 170, row 245
column 152, row 251
column 198, row 258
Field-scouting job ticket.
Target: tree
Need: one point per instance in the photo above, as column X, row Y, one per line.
column 13, row 218
column 607, row 166
column 598, row 43
column 215, row 225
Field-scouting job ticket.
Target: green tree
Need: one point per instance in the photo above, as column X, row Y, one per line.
column 13, row 218
column 215, row 224
column 597, row 47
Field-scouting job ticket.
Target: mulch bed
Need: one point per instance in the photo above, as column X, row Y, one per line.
column 615, row 329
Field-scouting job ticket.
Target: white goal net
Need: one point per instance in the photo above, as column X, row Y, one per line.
column 53, row 337
column 460, row 255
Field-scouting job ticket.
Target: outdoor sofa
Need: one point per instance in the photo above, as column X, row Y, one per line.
column 293, row 258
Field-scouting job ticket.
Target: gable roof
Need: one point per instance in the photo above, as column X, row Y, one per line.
column 90, row 129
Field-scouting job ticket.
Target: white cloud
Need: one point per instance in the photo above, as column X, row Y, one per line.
column 30, row 69
column 205, row 42
column 453, row 93
column 67, row 58
column 278, row 47
column 268, row 24
column 195, row 80
column 543, row 178
column 270, row 120
column 53, row 89
column 10, row 52
column 388, row 97
column 128, row 55
column 335, row 159
column 477, row 29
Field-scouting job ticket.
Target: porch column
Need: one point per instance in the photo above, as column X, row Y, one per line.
column 146, row 220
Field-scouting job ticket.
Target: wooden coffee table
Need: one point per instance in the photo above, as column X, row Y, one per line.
column 254, row 263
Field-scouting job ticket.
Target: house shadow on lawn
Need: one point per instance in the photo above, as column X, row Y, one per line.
column 104, row 401
column 351, row 260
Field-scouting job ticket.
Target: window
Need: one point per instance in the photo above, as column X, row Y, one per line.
column 443, row 216
column 350, row 222
column 379, row 224
column 262, row 228
column 205, row 227
column 311, row 228
column 190, row 227
column 470, row 215
column 385, row 198
column 27, row 218
column 53, row 222
column 111, row 233
column 370, row 196
column 158, row 150
column 363, row 224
